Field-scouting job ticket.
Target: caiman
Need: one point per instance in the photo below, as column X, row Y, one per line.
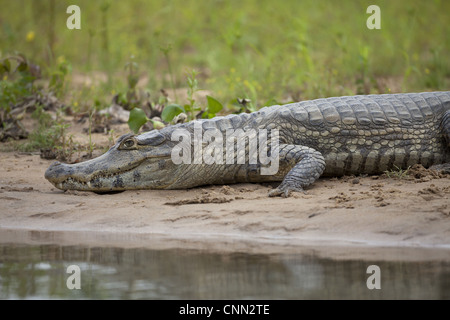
column 351, row 135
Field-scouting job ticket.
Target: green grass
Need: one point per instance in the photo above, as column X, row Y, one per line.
column 267, row 51
column 397, row 173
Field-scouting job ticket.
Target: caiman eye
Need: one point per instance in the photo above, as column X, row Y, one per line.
column 128, row 144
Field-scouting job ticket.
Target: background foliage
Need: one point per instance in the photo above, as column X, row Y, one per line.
column 267, row 51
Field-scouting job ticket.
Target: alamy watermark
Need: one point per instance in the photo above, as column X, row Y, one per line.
column 74, row 280
column 74, row 20
column 374, row 21
column 374, row 280
column 208, row 147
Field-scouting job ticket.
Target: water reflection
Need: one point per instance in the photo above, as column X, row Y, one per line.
column 115, row 273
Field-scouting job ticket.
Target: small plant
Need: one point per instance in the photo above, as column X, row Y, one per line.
column 58, row 77
column 91, row 145
column 397, row 173
column 192, row 109
column 166, row 50
column 130, row 99
column 362, row 84
column 409, row 70
column 110, row 138
column 192, row 82
column 51, row 137
column 63, row 142
column 134, row 97
column 245, row 105
column 132, row 80
column 17, row 76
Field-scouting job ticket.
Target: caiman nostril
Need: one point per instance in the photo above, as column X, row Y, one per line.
column 56, row 163
column 52, row 171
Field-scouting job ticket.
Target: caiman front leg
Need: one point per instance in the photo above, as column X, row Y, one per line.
column 308, row 164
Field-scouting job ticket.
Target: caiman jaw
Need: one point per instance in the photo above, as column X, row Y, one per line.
column 98, row 180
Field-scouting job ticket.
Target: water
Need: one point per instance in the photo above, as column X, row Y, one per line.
column 39, row 272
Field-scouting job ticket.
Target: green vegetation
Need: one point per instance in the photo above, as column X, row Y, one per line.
column 137, row 119
column 50, row 137
column 191, row 109
column 257, row 52
column 17, row 81
column 397, row 172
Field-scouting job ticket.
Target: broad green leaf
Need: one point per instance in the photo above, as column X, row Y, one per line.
column 171, row 111
column 137, row 119
column 214, row 106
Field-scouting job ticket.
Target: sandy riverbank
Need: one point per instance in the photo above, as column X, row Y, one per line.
column 357, row 212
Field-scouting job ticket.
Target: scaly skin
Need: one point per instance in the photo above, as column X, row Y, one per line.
column 332, row 137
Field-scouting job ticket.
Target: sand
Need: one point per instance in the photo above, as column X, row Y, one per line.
column 347, row 212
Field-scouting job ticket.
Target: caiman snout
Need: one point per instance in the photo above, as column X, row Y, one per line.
column 57, row 172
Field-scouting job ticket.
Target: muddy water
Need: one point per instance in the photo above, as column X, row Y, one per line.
column 40, row 271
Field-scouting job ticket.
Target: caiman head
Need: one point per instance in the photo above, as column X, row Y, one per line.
column 134, row 162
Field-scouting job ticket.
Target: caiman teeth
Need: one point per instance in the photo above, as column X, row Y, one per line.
column 71, row 181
